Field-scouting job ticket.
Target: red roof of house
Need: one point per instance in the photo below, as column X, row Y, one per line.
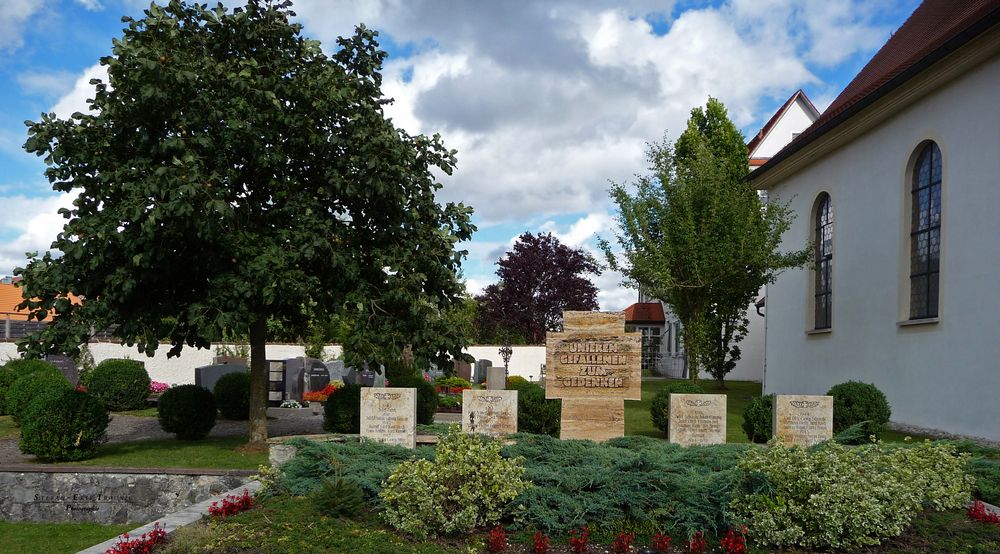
column 752, row 145
column 10, row 297
column 934, row 29
column 645, row 312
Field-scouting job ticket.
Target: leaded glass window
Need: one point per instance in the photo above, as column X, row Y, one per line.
column 823, row 264
column 925, row 234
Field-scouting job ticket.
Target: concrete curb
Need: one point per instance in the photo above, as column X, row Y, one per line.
column 176, row 520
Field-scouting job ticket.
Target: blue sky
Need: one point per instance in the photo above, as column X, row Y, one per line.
column 546, row 102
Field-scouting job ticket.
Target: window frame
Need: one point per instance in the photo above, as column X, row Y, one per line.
column 822, row 262
column 924, row 237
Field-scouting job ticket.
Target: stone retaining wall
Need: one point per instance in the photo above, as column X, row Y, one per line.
column 106, row 495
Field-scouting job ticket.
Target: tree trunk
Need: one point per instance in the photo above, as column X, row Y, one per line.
column 258, row 383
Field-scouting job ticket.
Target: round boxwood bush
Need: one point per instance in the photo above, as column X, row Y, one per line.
column 232, row 395
column 659, row 410
column 427, row 397
column 7, row 378
column 24, row 366
column 535, row 413
column 62, row 425
column 854, row 402
column 757, row 418
column 120, row 384
column 29, row 387
column 187, row 411
column 516, row 381
column 342, row 411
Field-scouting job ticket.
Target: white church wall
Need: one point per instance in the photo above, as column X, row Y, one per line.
column 944, row 375
column 795, row 120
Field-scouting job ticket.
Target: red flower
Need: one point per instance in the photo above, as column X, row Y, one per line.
column 978, row 512
column 623, row 542
column 661, row 542
column 141, row 545
column 497, row 540
column 541, row 543
column 697, row 544
column 578, row 539
column 734, row 543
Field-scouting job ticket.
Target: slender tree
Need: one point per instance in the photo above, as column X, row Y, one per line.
column 539, row 278
column 696, row 234
column 230, row 173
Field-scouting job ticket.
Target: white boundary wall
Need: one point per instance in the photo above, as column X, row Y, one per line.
column 526, row 361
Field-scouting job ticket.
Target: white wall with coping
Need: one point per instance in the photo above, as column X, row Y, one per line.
column 526, row 361
column 795, row 119
column 941, row 376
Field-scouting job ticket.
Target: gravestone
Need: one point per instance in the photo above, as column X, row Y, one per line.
column 462, row 369
column 379, row 379
column 275, row 382
column 351, row 377
column 336, row 369
column 697, row 419
column 593, row 366
column 319, row 377
column 295, row 378
column 481, row 372
column 496, row 378
column 66, row 366
column 489, row 412
column 389, row 416
column 207, row 376
column 802, row 419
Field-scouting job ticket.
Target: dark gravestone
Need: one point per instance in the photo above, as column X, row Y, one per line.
column 275, row 382
column 66, row 366
column 319, row 376
column 463, row 369
column 336, row 369
column 481, row 367
column 295, row 377
column 367, row 378
column 207, row 376
column 351, row 377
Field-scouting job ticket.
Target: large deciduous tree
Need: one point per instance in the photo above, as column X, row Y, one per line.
column 696, row 234
column 539, row 278
column 230, row 173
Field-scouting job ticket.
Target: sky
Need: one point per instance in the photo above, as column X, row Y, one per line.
column 547, row 103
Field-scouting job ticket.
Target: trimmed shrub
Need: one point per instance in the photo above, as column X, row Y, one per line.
column 232, row 395
column 515, row 381
column 854, row 402
column 29, row 387
column 7, row 378
column 535, row 413
column 758, row 418
column 832, row 497
column 427, row 396
column 24, row 366
column 120, row 384
column 63, row 425
column 187, row 411
column 342, row 411
column 659, row 410
column 468, row 485
column 452, row 382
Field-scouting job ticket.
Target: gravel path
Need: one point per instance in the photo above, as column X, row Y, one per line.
column 127, row 428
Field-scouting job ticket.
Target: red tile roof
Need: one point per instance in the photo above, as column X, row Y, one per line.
column 10, row 297
column 755, row 141
column 644, row 312
column 934, row 29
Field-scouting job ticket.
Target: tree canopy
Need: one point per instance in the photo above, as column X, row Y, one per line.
column 695, row 234
column 230, row 173
column 539, row 278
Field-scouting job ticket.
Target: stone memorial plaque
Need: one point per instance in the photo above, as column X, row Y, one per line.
column 697, row 419
column 336, row 369
column 389, row 416
column 351, row 376
column 319, row 376
column 207, row 376
column 489, row 412
column 592, row 418
column 802, row 419
column 480, row 373
column 463, row 369
column 66, row 366
column 496, row 378
column 593, row 358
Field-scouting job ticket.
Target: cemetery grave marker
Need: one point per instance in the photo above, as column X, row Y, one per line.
column 697, row 419
column 389, row 415
column 802, row 419
column 489, row 412
column 496, row 378
column 593, row 366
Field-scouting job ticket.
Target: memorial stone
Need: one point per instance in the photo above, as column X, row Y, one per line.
column 802, row 419
column 351, row 377
column 379, row 379
column 66, row 366
column 496, row 378
column 389, row 416
column 463, row 369
column 295, row 378
column 207, row 376
column 697, row 419
column 319, row 376
column 489, row 412
column 336, row 369
column 593, row 366
column 481, row 370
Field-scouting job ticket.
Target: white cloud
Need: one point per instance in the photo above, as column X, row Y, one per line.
column 14, row 15
column 76, row 99
column 92, row 5
column 34, row 222
column 51, row 84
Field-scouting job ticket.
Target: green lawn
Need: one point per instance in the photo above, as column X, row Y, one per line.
column 55, row 538
column 7, row 428
column 218, row 453
column 738, row 395
column 144, row 412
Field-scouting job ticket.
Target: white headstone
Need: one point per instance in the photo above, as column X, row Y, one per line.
column 489, row 412
column 389, row 415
